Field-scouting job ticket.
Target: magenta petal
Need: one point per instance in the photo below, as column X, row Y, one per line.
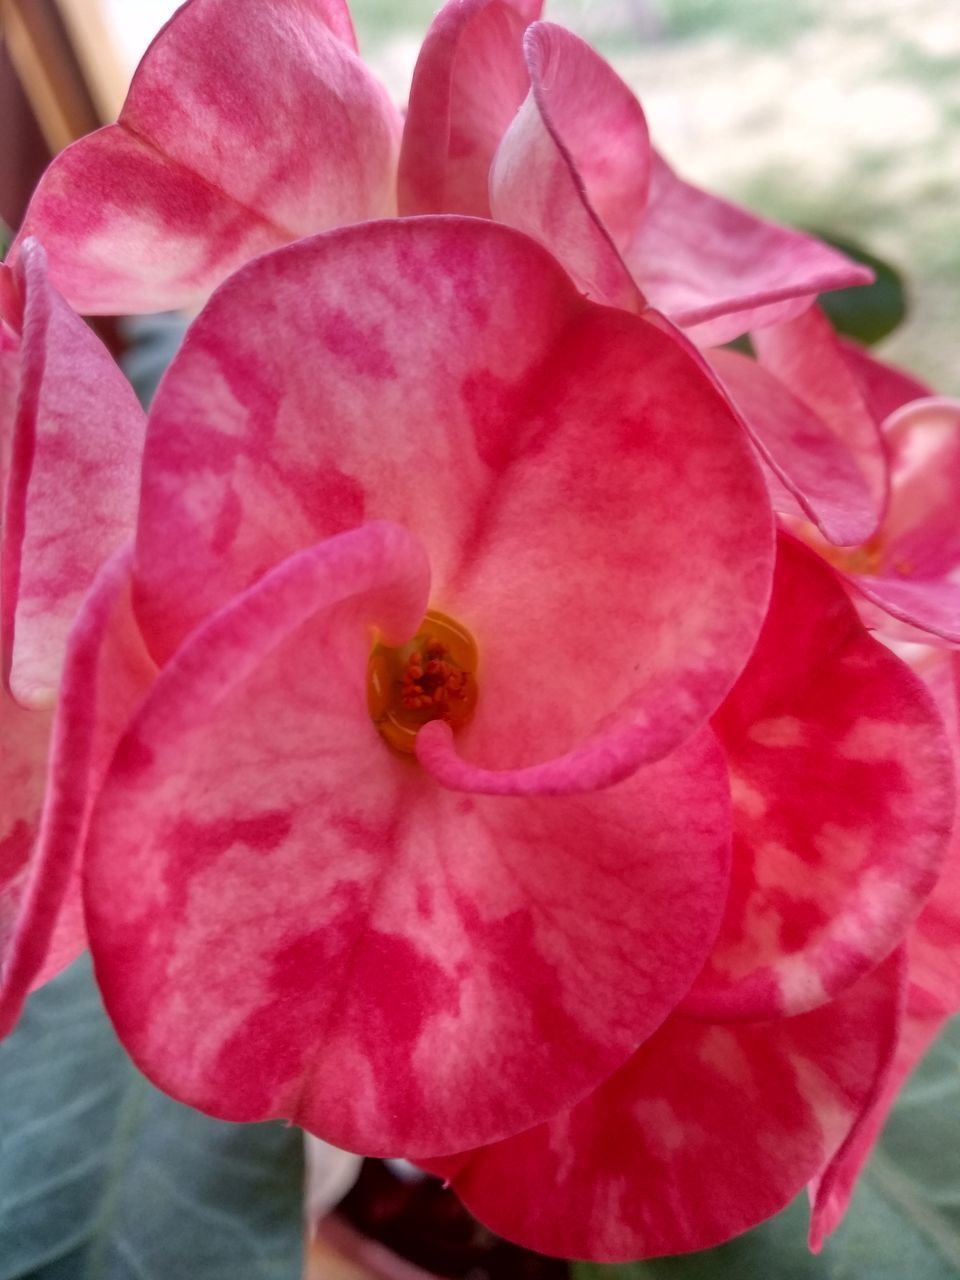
column 805, row 356
column 706, row 1131
column 249, row 123
column 817, row 470
column 719, row 271
column 468, row 84
column 326, row 935
column 24, row 737
column 843, row 803
column 73, row 484
column 460, row 386
column 572, row 169
column 105, row 673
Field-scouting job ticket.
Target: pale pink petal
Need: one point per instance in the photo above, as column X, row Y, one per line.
column 445, row 374
column 289, row 919
column 885, row 386
column 933, row 994
column 843, row 792
column 805, row 356
column 73, row 484
column 706, row 1131
column 916, row 572
column 105, row 674
column 468, row 84
column 719, row 271
column 818, row 474
column 330, row 1175
column 249, row 123
column 572, row 168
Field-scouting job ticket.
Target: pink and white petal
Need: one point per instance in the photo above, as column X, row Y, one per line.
column 705, row 1132
column 155, row 236
column 572, row 167
column 327, row 936
column 445, row 374
column 105, row 675
column 843, row 790
column 468, row 84
column 933, row 993
column 817, row 472
column 805, row 355
column 885, row 386
column 249, row 123
column 73, row 485
column 719, row 271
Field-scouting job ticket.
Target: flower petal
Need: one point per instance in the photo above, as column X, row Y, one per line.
column 445, row 374
column 468, row 83
column 248, row 123
column 719, row 271
column 326, row 935
column 706, row 1131
column 73, row 483
column 933, row 992
column 815, row 467
column 572, row 168
column 24, row 736
column 805, row 356
column 885, row 386
column 916, row 575
column 105, row 674
column 843, row 803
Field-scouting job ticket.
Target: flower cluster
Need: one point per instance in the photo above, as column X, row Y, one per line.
column 472, row 742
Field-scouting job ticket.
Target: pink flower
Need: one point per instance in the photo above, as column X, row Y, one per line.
column 463, row 950
column 420, row 957
column 71, row 434
column 407, row 487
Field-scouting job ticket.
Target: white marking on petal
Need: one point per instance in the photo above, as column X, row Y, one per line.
column 779, row 731
column 747, row 798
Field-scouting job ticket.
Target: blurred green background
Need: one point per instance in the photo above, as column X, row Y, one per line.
column 842, row 115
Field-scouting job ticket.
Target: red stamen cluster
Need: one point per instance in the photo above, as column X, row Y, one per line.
column 431, row 681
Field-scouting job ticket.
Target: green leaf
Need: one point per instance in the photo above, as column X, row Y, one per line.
column 868, row 312
column 102, row 1177
column 903, row 1224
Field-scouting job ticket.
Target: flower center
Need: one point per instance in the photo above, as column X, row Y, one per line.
column 432, row 677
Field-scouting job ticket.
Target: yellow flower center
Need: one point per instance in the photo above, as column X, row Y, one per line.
column 432, row 677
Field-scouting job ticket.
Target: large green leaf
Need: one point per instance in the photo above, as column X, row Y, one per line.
column 903, row 1224
column 102, row 1177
